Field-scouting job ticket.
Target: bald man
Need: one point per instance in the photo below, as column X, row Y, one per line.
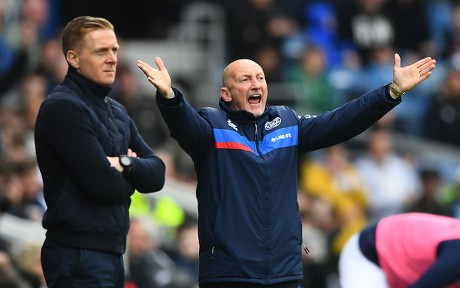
column 245, row 154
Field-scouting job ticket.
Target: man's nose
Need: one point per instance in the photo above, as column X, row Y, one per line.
column 113, row 57
column 255, row 84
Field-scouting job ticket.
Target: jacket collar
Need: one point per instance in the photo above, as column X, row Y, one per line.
column 85, row 86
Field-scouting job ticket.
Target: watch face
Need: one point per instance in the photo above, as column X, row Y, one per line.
column 125, row 161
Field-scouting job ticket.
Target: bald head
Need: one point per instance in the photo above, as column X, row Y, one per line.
column 230, row 72
column 244, row 86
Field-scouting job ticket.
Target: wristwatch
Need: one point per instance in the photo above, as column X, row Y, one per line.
column 395, row 90
column 125, row 162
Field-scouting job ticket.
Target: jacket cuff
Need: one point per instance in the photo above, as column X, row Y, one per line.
column 388, row 96
column 172, row 102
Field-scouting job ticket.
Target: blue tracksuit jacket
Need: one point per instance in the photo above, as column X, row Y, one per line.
column 249, row 225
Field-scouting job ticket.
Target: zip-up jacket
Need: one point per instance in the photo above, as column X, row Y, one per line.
column 77, row 127
column 249, row 223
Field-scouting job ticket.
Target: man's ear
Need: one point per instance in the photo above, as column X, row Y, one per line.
column 225, row 94
column 72, row 59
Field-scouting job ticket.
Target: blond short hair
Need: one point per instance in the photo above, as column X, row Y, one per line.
column 75, row 31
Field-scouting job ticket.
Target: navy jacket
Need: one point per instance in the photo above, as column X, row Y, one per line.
column 88, row 201
column 249, row 225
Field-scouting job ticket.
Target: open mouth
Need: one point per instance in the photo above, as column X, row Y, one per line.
column 254, row 99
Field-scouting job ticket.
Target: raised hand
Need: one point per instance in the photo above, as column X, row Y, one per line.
column 406, row 78
column 158, row 77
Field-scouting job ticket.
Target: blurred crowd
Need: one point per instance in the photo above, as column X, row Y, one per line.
column 323, row 53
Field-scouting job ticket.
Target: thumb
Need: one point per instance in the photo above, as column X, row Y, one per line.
column 397, row 61
column 160, row 64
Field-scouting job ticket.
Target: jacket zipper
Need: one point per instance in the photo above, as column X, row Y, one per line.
column 115, row 128
column 267, row 253
column 112, row 122
column 256, row 137
column 212, row 252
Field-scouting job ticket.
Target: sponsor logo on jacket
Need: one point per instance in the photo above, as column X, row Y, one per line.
column 281, row 137
column 272, row 124
column 231, row 124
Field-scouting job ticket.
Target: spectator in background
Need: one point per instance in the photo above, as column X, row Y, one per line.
column 32, row 92
column 450, row 194
column 33, row 202
column 441, row 120
column 52, row 63
column 12, row 135
column 13, row 192
column 21, row 190
column 17, row 118
column 148, row 264
column 158, row 27
column 186, row 249
column 429, row 199
column 310, row 83
column 452, row 53
column 380, row 63
column 9, row 276
column 391, row 182
column 29, row 265
column 363, row 26
column 270, row 60
column 260, row 23
column 409, row 22
column 6, row 54
column 24, row 37
column 337, row 181
column 408, row 116
column 140, row 107
column 317, row 223
column 439, row 16
column 320, row 29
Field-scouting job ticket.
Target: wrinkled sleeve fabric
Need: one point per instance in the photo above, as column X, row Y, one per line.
column 186, row 125
column 344, row 122
column 148, row 170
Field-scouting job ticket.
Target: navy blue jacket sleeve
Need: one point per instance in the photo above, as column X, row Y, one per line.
column 345, row 122
column 191, row 131
column 148, row 170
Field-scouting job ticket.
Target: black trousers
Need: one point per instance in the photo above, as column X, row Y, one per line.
column 290, row 284
column 65, row 267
